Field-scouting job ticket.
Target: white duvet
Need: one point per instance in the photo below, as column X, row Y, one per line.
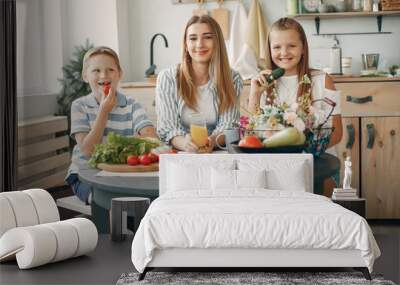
column 256, row 218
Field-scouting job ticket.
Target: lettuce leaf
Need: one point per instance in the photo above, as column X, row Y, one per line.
column 118, row 148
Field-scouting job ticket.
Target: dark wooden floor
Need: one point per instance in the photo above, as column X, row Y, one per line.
column 110, row 260
column 102, row 266
column 388, row 239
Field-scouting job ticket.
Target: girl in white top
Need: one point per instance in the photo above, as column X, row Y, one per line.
column 202, row 83
column 289, row 50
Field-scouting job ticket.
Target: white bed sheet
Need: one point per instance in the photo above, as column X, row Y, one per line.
column 252, row 218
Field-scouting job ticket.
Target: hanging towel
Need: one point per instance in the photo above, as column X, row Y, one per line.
column 255, row 49
column 257, row 30
column 237, row 36
column 246, row 64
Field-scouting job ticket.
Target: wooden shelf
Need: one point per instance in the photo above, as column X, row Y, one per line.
column 345, row 15
column 348, row 79
column 336, row 79
column 143, row 84
column 318, row 16
column 191, row 1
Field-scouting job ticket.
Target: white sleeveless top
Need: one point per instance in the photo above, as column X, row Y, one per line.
column 205, row 106
column 286, row 89
column 287, row 86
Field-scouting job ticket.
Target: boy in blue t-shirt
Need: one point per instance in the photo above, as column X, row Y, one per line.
column 95, row 115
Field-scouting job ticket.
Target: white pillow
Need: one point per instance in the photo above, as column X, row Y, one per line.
column 251, row 178
column 192, row 176
column 293, row 178
column 223, row 179
column 281, row 174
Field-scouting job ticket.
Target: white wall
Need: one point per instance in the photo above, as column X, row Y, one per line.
column 39, row 46
column 92, row 19
column 153, row 16
column 124, row 14
column 387, row 45
column 39, row 56
column 47, row 33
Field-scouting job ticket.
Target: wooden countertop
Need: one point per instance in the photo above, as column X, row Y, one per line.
column 336, row 79
column 138, row 84
column 344, row 79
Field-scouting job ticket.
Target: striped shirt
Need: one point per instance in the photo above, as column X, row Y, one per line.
column 127, row 118
column 169, row 106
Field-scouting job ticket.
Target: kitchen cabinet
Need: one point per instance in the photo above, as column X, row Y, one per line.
column 350, row 146
column 144, row 93
column 371, row 136
column 381, row 166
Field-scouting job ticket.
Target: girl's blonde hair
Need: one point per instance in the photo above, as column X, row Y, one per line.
column 96, row 51
column 219, row 69
column 284, row 24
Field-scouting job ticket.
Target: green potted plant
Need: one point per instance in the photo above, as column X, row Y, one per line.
column 394, row 70
column 72, row 84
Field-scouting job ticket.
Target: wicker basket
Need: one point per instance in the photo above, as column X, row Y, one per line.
column 262, row 134
column 317, row 140
column 390, row 5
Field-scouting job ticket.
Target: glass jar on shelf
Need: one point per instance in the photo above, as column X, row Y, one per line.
column 367, row 5
column 375, row 6
column 291, row 7
column 340, row 6
column 356, row 6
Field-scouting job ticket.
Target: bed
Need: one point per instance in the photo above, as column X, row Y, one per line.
column 246, row 210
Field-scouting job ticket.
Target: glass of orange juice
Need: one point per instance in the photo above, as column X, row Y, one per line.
column 198, row 130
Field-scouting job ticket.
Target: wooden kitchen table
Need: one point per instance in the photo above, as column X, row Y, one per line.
column 104, row 188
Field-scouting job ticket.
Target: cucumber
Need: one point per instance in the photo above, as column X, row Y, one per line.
column 302, row 139
column 285, row 137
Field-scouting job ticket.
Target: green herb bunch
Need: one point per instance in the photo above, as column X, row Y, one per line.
column 72, row 84
column 118, row 148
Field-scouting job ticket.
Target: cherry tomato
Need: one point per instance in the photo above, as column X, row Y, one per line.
column 153, row 157
column 132, row 160
column 106, row 89
column 145, row 159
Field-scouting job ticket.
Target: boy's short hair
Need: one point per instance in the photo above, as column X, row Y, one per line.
column 99, row 50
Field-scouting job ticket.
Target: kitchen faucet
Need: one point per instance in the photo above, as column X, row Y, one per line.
column 151, row 70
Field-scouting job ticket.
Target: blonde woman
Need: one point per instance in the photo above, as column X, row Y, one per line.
column 203, row 83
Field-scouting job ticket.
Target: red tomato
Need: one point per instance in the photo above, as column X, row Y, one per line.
column 153, row 157
column 145, row 159
column 106, row 89
column 250, row 141
column 172, row 151
column 132, row 160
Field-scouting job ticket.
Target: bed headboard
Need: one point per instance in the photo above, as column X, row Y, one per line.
column 239, row 161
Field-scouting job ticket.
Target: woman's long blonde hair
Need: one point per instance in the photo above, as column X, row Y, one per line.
column 284, row 24
column 219, row 69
